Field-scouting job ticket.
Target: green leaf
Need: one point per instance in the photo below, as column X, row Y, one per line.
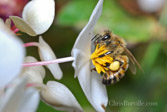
column 163, row 18
column 75, row 12
column 135, row 29
column 151, row 56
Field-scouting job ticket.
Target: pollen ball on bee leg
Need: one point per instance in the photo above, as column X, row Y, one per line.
column 114, row 66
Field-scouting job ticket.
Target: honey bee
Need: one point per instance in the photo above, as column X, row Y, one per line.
column 108, row 57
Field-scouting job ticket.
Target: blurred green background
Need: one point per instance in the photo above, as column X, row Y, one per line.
column 146, row 35
column 146, row 38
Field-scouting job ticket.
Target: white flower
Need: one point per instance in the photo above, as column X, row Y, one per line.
column 38, row 16
column 18, row 98
column 90, row 82
column 35, row 74
column 54, row 93
column 11, row 56
column 47, row 54
column 151, row 5
column 60, row 97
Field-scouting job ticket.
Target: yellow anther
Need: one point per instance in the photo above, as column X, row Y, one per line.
column 98, row 67
column 114, row 66
column 99, row 51
column 100, row 62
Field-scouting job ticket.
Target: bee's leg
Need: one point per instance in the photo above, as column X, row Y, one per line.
column 120, row 61
column 95, row 39
column 124, row 61
column 107, row 53
column 107, row 78
column 93, row 69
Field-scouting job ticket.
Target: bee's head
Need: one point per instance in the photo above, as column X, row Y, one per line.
column 106, row 37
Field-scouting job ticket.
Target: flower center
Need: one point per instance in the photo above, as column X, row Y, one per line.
column 100, row 60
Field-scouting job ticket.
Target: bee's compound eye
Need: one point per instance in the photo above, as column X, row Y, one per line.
column 106, row 37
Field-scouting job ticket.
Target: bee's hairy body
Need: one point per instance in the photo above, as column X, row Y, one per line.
column 115, row 45
column 112, row 77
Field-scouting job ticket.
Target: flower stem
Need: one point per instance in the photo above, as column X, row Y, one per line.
column 30, row 44
column 61, row 60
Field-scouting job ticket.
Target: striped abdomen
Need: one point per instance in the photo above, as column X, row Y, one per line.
column 111, row 77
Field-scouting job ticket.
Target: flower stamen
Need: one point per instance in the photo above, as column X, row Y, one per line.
column 100, row 62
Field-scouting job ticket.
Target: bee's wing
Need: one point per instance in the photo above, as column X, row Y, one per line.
column 132, row 67
column 133, row 61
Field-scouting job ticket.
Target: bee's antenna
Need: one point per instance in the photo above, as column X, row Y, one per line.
column 97, row 35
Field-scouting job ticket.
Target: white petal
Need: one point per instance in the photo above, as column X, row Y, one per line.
column 83, row 42
column 99, row 95
column 12, row 97
column 19, row 99
column 30, row 101
column 39, row 69
column 90, row 82
column 60, row 97
column 84, row 78
column 80, row 59
column 11, row 56
column 39, row 14
column 33, row 76
column 46, row 54
column 1, row 20
column 93, row 88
